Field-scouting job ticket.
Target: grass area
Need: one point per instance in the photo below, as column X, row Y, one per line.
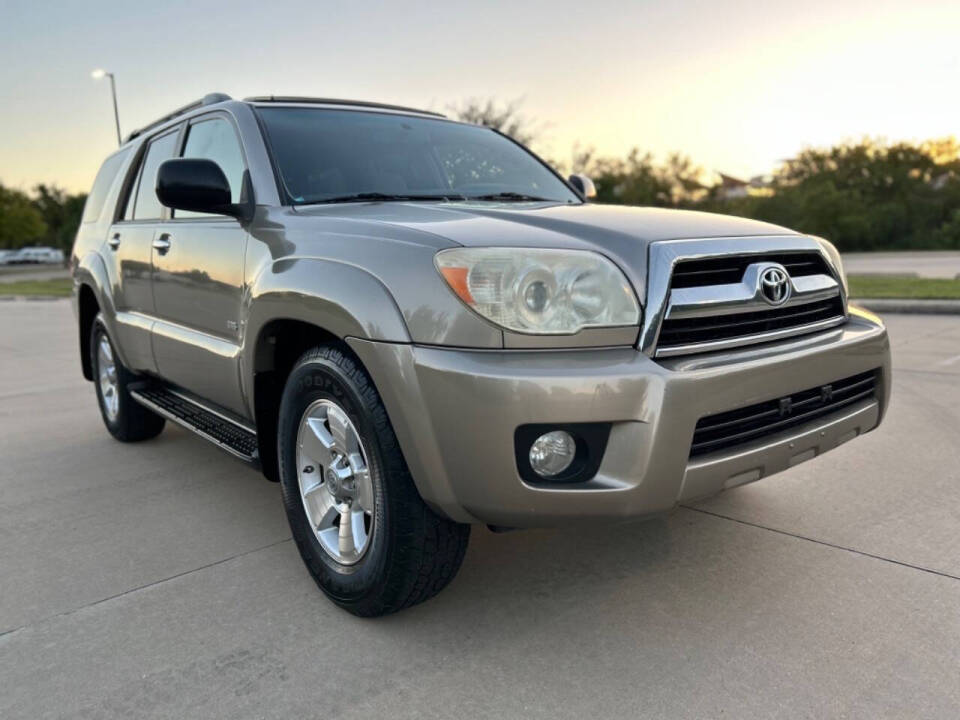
column 60, row 287
column 900, row 286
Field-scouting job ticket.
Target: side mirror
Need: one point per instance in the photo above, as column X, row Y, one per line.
column 583, row 185
column 200, row 186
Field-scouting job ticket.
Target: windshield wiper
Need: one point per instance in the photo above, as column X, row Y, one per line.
column 509, row 197
column 367, row 196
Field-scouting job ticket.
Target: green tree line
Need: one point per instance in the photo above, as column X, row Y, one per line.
column 47, row 216
column 865, row 195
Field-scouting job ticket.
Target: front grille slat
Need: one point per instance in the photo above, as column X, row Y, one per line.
column 743, row 321
column 689, row 331
column 735, row 427
column 725, row 270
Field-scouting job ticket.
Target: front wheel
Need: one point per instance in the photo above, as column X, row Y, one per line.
column 366, row 536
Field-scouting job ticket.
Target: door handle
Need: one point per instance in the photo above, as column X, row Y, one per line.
column 162, row 243
column 114, row 241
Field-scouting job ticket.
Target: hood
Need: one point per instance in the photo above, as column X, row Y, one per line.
column 620, row 232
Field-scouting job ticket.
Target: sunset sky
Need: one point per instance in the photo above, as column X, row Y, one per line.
column 735, row 85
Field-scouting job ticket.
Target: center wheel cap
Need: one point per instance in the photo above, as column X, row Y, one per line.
column 333, row 482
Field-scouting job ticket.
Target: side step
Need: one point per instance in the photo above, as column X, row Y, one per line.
column 236, row 438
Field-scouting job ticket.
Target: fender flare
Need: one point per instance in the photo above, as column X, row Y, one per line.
column 340, row 298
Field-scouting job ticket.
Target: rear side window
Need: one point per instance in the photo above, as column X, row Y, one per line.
column 147, row 206
column 102, row 184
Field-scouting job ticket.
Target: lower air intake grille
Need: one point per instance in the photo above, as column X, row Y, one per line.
column 690, row 331
column 736, row 427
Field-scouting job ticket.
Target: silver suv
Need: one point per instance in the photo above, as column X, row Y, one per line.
column 415, row 325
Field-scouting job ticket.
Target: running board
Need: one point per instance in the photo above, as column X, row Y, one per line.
column 230, row 435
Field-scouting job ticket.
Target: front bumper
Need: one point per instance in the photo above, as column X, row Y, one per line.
column 455, row 412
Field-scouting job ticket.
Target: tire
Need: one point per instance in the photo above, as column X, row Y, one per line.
column 125, row 418
column 411, row 553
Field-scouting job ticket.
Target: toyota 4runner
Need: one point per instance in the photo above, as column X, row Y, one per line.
column 415, row 325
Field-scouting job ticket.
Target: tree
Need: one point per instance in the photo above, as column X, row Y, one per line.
column 639, row 180
column 867, row 195
column 20, row 222
column 505, row 117
column 61, row 212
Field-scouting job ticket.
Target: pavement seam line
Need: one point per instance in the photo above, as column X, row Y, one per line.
column 797, row 536
column 65, row 613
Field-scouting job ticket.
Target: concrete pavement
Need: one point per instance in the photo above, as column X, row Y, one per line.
column 158, row 580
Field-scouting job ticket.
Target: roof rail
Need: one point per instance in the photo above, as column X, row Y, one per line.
column 208, row 99
column 332, row 101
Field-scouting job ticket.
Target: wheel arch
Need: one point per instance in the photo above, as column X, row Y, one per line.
column 300, row 303
column 279, row 343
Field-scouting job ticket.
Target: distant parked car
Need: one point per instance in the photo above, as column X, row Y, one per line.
column 36, row 255
column 6, row 255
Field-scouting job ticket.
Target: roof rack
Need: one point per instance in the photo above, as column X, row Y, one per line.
column 208, row 99
column 332, row 101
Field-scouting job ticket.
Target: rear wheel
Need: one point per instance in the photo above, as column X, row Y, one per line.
column 126, row 420
column 366, row 536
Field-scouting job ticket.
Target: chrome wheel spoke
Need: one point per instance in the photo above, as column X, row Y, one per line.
column 358, row 525
column 341, row 429
column 310, row 488
column 327, row 515
column 346, row 542
column 317, row 442
column 364, row 490
column 106, row 354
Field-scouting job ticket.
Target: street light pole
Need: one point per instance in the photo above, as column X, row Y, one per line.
column 116, row 113
column 97, row 74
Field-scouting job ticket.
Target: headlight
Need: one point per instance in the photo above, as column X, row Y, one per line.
column 834, row 256
column 544, row 292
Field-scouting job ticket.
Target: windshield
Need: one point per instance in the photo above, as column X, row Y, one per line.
column 327, row 155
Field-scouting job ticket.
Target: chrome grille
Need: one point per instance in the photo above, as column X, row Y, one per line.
column 736, row 427
column 716, row 303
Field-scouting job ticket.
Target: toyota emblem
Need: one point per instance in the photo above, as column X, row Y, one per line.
column 775, row 285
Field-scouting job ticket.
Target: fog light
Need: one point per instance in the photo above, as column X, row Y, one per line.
column 552, row 453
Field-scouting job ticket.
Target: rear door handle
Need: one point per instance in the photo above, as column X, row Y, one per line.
column 114, row 241
column 162, row 243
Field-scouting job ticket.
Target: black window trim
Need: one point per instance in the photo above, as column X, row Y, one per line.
column 132, row 184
